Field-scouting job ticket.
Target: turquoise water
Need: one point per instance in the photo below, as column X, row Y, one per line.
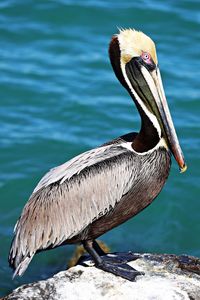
column 59, row 97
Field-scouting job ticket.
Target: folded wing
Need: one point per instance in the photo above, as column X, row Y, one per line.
column 69, row 197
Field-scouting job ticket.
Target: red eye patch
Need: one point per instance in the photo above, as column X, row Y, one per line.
column 146, row 57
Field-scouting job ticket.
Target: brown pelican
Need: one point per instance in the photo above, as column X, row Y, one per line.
column 100, row 189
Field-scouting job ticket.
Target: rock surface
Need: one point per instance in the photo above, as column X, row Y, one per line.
column 166, row 277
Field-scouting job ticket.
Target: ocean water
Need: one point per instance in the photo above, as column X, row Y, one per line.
column 59, row 97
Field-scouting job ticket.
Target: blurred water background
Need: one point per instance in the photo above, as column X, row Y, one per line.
column 59, row 97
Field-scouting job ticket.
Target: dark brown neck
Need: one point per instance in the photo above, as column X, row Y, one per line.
column 148, row 136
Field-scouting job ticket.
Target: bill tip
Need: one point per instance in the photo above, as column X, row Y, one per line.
column 183, row 169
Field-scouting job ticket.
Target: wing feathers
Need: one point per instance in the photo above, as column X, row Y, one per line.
column 69, row 198
column 77, row 164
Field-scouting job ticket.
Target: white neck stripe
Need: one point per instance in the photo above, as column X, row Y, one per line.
column 151, row 116
column 161, row 143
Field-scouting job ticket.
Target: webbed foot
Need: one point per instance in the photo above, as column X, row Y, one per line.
column 113, row 263
column 121, row 269
column 121, row 257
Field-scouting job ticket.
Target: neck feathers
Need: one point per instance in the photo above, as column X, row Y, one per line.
column 148, row 136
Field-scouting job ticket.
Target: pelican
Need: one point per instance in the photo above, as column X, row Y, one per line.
column 102, row 188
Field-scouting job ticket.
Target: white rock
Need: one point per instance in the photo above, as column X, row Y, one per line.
column 167, row 277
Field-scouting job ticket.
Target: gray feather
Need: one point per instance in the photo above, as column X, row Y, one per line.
column 70, row 197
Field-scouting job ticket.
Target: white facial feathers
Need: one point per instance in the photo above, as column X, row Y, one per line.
column 132, row 43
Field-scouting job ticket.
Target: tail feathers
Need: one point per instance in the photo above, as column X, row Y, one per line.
column 19, row 259
column 22, row 266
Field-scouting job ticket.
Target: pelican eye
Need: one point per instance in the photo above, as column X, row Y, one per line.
column 146, row 57
column 147, row 61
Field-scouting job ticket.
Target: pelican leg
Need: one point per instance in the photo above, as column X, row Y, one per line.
column 109, row 265
column 115, row 257
column 98, row 249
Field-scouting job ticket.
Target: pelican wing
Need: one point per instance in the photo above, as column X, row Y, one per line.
column 70, row 197
column 77, row 164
